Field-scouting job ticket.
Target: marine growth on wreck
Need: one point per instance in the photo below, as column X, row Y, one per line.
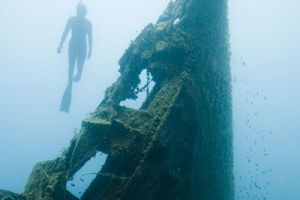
column 178, row 145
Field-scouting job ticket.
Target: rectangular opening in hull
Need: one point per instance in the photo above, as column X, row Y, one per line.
column 83, row 178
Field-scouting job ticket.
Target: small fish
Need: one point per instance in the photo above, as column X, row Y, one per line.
column 73, row 185
column 256, row 185
column 81, row 180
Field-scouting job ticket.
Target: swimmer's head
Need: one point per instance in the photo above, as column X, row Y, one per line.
column 81, row 10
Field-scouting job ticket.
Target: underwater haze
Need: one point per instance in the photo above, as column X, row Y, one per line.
column 265, row 47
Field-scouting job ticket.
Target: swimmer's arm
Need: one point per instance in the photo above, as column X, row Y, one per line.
column 90, row 40
column 64, row 36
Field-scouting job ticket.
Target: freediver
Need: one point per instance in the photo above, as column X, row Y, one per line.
column 81, row 29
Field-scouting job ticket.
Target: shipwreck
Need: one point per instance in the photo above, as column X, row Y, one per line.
column 178, row 145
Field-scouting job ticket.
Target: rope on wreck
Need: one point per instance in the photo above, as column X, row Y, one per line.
column 147, row 85
column 71, row 159
column 113, row 176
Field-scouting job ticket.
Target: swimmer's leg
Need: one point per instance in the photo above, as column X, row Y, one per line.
column 72, row 60
column 80, row 64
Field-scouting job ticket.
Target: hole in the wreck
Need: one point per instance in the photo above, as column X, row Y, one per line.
column 83, row 178
column 144, row 89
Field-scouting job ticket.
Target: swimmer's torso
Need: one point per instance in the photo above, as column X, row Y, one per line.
column 79, row 28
